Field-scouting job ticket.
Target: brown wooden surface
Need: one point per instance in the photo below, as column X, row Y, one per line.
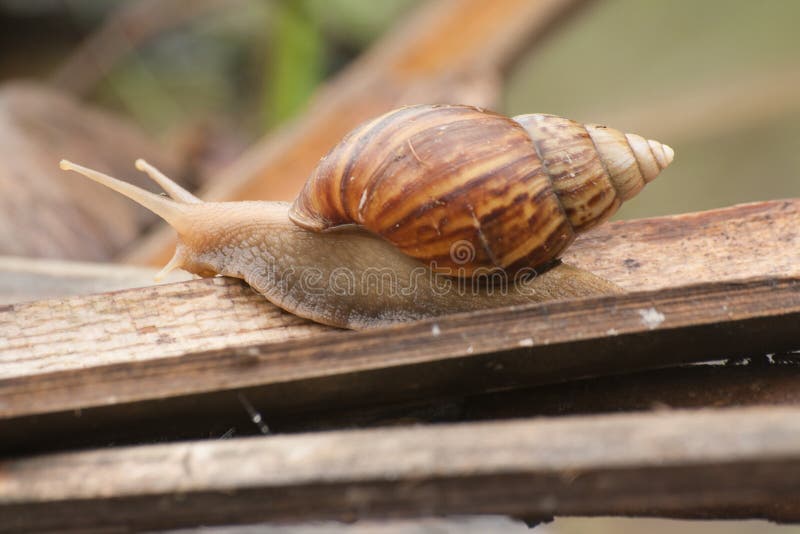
column 45, row 212
column 216, row 334
column 457, row 355
column 759, row 380
column 747, row 240
column 725, row 463
column 447, row 51
column 752, row 240
column 139, row 324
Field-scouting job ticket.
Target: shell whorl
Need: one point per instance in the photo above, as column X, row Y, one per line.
column 463, row 189
column 593, row 168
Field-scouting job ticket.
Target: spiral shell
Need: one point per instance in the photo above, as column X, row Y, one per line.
column 515, row 190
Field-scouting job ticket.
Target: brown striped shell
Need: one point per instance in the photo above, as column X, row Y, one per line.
column 464, row 189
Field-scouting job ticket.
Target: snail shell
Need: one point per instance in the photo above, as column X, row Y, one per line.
column 464, row 189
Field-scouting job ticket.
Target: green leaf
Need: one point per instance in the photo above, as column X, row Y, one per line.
column 296, row 63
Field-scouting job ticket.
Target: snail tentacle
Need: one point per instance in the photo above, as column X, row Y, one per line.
column 170, row 210
column 175, row 191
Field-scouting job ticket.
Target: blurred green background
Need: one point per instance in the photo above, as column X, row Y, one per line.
column 718, row 80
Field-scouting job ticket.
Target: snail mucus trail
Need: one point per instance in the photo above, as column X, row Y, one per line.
column 410, row 205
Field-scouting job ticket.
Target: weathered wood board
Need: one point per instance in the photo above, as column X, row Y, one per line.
column 725, row 463
column 183, row 352
column 747, row 240
column 732, row 244
column 457, row 355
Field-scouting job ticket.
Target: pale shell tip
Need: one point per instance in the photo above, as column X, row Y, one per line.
column 662, row 153
column 669, row 154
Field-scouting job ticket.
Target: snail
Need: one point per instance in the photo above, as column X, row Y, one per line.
column 423, row 211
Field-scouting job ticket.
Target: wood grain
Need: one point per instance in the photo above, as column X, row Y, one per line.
column 446, row 51
column 140, row 324
column 457, row 355
column 747, row 240
column 731, row 244
column 176, row 357
column 724, row 463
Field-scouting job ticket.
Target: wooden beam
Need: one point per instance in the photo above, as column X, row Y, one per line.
column 731, row 244
column 724, row 463
column 53, row 353
column 151, row 322
column 747, row 240
column 446, row 51
column 457, row 355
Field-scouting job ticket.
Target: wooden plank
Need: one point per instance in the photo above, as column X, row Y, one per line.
column 747, row 240
column 138, row 324
column 457, row 355
column 54, row 338
column 714, row 246
column 446, row 51
column 714, row 463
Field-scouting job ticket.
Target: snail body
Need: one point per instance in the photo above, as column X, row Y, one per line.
column 360, row 245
